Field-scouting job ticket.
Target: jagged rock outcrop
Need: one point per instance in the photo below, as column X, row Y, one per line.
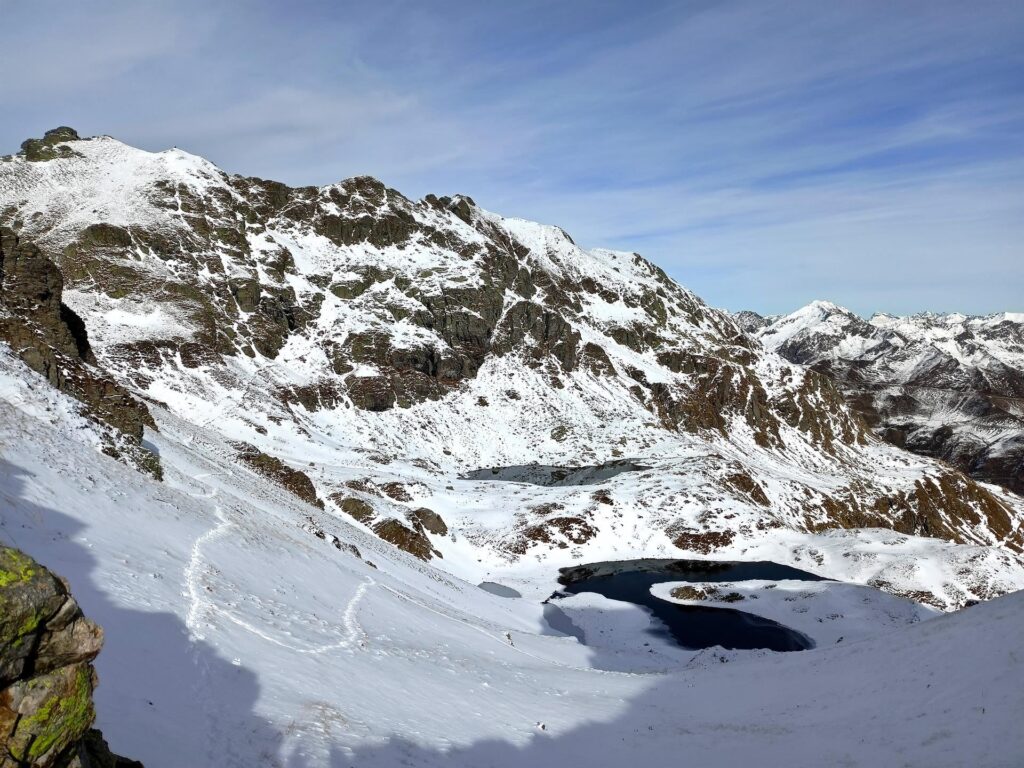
column 46, row 675
column 271, row 467
column 946, row 386
column 947, row 505
column 52, row 340
column 409, row 530
column 403, row 340
column 215, row 254
column 51, row 146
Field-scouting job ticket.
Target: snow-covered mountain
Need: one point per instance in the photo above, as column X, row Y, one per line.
column 244, row 627
column 326, row 377
column 443, row 377
column 949, row 386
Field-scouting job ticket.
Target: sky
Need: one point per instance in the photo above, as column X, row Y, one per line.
column 765, row 154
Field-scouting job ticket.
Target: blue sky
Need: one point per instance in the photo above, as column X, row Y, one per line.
column 765, row 154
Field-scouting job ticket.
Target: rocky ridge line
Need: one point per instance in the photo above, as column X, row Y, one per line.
column 950, row 387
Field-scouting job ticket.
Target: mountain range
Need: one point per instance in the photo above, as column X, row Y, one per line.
column 396, row 363
column 948, row 386
column 276, row 437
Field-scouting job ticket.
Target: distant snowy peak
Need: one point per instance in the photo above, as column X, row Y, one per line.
column 824, row 330
column 945, row 385
column 751, row 322
column 817, row 331
column 974, row 340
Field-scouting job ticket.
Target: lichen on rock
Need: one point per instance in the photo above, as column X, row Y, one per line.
column 51, row 146
column 46, row 674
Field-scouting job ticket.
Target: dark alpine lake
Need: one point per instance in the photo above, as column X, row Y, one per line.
column 692, row 627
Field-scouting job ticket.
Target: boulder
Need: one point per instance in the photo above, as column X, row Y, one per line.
column 51, row 146
column 46, row 674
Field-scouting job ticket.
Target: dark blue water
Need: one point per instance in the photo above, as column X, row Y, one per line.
column 692, row 627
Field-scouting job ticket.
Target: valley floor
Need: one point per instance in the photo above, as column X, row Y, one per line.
column 235, row 637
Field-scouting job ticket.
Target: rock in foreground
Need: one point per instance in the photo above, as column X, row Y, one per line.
column 46, row 650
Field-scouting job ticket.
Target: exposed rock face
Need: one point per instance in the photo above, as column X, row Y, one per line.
column 408, row 530
column 947, row 386
column 694, row 594
column 52, row 340
column 751, row 322
column 434, row 338
column 355, row 508
column 46, row 675
column 214, row 254
column 429, row 521
column 703, row 542
column 51, row 146
column 948, row 506
column 411, row 539
column 271, row 467
column 558, row 530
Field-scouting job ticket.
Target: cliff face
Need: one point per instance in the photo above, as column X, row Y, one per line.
column 52, row 340
column 46, row 675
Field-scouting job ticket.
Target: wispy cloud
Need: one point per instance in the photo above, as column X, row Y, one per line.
column 765, row 153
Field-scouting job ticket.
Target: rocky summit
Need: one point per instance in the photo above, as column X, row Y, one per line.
column 946, row 386
column 379, row 356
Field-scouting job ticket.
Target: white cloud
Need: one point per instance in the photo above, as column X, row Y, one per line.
column 764, row 153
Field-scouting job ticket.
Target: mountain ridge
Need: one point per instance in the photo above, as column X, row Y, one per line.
column 383, row 348
column 947, row 385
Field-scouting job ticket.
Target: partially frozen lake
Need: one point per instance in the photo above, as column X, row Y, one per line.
column 554, row 476
column 692, row 627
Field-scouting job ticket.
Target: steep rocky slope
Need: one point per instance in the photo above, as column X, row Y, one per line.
column 53, row 340
column 469, row 386
column 947, row 386
column 46, row 674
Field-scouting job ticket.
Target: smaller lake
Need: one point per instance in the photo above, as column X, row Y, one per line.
column 552, row 476
column 499, row 589
column 692, row 627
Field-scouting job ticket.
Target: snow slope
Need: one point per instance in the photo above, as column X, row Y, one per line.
column 237, row 637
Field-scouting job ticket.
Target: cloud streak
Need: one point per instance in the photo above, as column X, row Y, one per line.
column 764, row 153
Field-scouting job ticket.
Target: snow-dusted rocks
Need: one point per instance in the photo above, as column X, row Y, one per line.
column 949, row 386
column 366, row 340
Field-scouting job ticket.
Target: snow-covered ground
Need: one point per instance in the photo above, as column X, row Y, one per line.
column 245, row 627
column 236, row 637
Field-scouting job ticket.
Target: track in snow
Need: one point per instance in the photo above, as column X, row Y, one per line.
column 201, row 606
